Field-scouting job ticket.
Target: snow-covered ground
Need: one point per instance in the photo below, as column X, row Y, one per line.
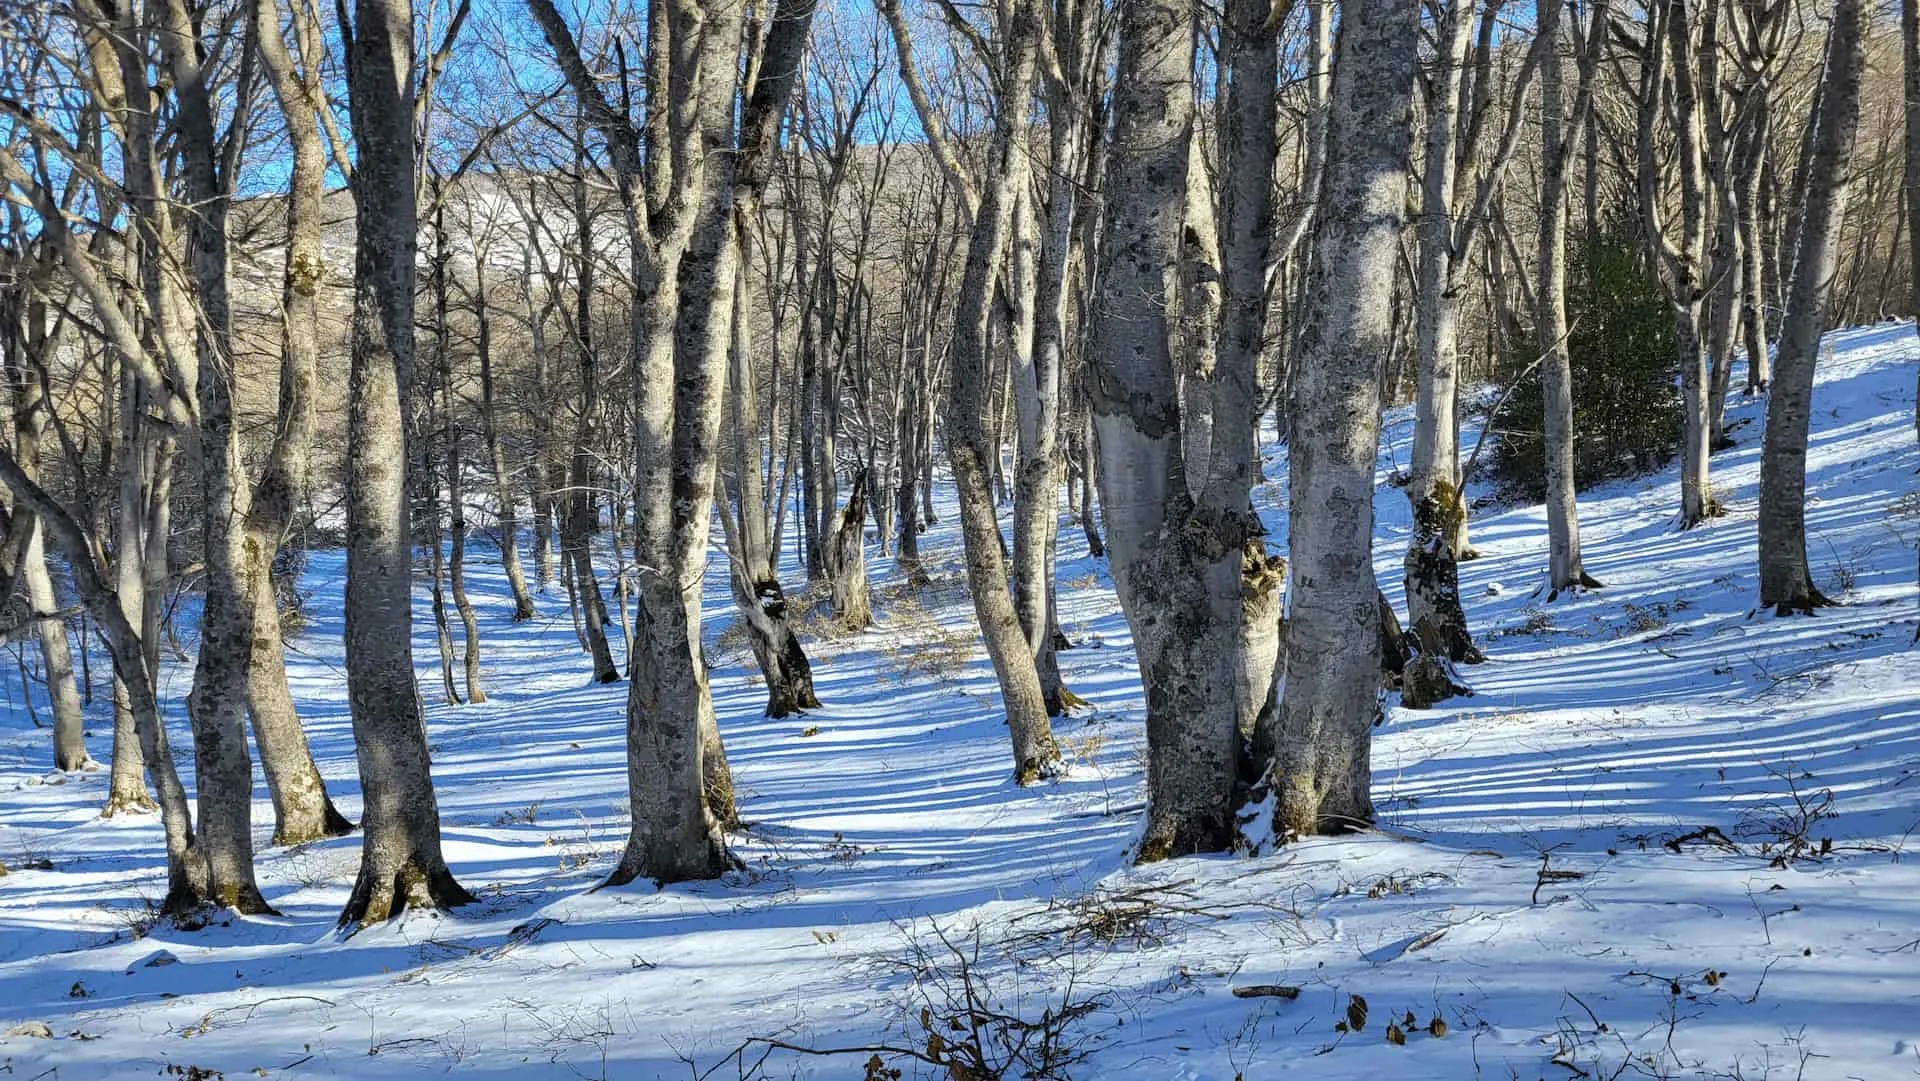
column 1531, row 886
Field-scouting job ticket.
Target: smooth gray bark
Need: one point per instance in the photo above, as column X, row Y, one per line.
column 972, row 450
column 1786, row 582
column 1176, row 557
column 1560, row 133
column 401, row 864
column 1332, row 694
column 302, row 809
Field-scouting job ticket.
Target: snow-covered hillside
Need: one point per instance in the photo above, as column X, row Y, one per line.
column 1667, row 837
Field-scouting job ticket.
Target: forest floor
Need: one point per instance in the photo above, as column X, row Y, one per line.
column 1666, row 837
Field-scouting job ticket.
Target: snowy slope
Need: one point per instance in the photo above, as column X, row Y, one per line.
column 1522, row 889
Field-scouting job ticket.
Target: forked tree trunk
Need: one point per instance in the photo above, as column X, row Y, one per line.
column 1176, row 558
column 401, row 864
column 187, row 872
column 1331, row 699
column 685, row 261
column 1786, row 582
column 1459, row 118
column 1687, row 292
column 1038, row 279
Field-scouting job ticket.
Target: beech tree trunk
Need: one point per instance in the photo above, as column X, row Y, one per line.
column 188, row 877
column 972, row 452
column 754, row 577
column 1786, row 582
column 302, row 809
column 401, row 864
column 69, row 726
column 1176, row 557
column 1332, row 696
column 24, row 333
column 139, row 456
column 1559, row 134
column 847, row 560
column 702, row 185
column 1447, row 234
column 506, row 514
column 217, row 704
column 579, row 515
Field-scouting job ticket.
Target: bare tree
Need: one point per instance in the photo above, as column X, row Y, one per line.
column 401, row 864
column 1176, row 529
column 686, row 202
column 302, row 809
column 1786, row 584
column 1560, row 135
column 1331, row 698
column 26, row 341
column 1672, row 56
column 1462, row 123
column 971, row 447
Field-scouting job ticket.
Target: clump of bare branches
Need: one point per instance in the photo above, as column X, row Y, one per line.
column 1782, row 831
column 1141, row 918
column 969, row 1013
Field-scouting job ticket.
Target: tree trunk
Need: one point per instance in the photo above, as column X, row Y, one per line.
column 401, row 864
column 1786, row 583
column 442, row 383
column 754, row 577
column 187, row 866
column 1434, row 489
column 1910, row 73
column 1331, row 699
column 25, row 335
column 457, row 574
column 428, row 523
column 1565, row 570
column 140, row 458
column 302, row 809
column 847, row 560
column 579, row 517
column 506, row 513
column 223, row 769
column 971, row 448
column 1176, row 558
column 69, row 726
column 679, row 788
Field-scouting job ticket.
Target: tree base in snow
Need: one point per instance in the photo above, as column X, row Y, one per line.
column 332, row 824
column 380, row 894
